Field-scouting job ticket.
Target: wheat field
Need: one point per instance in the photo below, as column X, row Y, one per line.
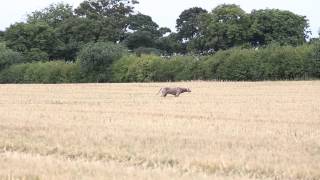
column 221, row 130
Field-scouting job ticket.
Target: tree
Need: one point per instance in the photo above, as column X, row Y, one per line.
column 53, row 15
column 188, row 23
column 163, row 31
column 273, row 25
column 1, row 35
column 105, row 8
column 144, row 32
column 96, row 58
column 225, row 27
column 140, row 39
column 169, row 44
column 25, row 37
column 141, row 22
column 110, row 16
column 74, row 33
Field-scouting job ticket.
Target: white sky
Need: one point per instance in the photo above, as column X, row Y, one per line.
column 165, row 12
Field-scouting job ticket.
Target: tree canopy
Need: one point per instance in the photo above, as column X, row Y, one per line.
column 220, row 43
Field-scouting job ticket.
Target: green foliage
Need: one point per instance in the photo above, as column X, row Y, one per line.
column 42, row 72
column 96, row 58
column 8, row 57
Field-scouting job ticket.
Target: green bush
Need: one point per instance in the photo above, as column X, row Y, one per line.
column 36, row 54
column 150, row 68
column 147, row 51
column 138, row 69
column 8, row 57
column 184, row 68
column 313, row 65
column 240, row 65
column 96, row 58
column 210, row 64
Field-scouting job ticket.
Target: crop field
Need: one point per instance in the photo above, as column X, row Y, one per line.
column 221, row 130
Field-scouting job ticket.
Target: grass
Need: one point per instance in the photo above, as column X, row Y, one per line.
column 222, row 130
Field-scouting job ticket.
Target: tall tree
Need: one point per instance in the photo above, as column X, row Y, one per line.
column 74, row 33
column 169, row 44
column 143, row 32
column 225, row 27
column 53, row 15
column 105, row 8
column 140, row 39
column 30, row 38
column 273, row 25
column 1, row 35
column 141, row 22
column 188, row 23
column 110, row 16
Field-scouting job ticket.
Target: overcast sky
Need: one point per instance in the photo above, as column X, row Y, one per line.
column 165, row 12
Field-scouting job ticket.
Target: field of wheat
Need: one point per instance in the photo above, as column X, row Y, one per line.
column 221, row 130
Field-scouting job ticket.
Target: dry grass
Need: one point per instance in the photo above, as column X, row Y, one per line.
column 245, row 130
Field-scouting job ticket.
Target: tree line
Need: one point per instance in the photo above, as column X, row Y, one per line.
column 108, row 41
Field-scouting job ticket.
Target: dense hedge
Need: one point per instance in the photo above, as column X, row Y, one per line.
column 42, row 72
column 270, row 63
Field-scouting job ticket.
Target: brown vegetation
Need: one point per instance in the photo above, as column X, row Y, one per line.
column 225, row 130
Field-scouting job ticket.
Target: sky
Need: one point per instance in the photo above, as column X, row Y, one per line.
column 165, row 12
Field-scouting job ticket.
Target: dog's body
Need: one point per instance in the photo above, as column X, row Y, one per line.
column 174, row 91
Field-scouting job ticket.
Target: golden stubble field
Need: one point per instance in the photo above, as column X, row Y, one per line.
column 222, row 130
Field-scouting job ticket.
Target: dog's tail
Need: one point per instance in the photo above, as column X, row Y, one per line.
column 159, row 91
